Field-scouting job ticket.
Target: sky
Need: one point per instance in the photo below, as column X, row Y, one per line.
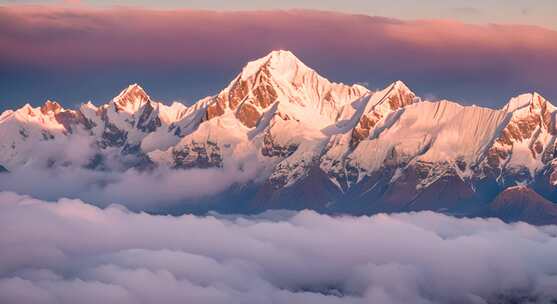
column 537, row 12
column 473, row 52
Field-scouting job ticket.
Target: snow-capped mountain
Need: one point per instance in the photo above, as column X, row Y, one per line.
column 317, row 144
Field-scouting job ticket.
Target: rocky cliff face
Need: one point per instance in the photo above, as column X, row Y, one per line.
column 317, row 144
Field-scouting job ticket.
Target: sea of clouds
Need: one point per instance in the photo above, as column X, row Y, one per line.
column 69, row 251
column 58, row 168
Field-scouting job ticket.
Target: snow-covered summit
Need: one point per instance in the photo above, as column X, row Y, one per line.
column 280, row 63
column 533, row 100
column 131, row 98
column 280, row 78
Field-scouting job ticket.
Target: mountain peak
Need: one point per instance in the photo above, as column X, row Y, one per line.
column 399, row 84
column 281, row 77
column 51, row 107
column 395, row 96
column 131, row 98
column 521, row 203
column 281, row 54
column 133, row 89
column 278, row 62
column 531, row 100
column 539, row 101
column 278, row 57
column 379, row 104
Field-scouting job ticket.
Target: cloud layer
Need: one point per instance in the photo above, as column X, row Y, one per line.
column 60, row 170
column 66, row 251
column 76, row 53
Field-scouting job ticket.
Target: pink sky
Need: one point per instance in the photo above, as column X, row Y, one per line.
column 345, row 47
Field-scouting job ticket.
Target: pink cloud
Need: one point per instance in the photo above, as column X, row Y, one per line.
column 75, row 37
column 80, row 35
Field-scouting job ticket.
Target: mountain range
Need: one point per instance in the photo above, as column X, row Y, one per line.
column 317, row 144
